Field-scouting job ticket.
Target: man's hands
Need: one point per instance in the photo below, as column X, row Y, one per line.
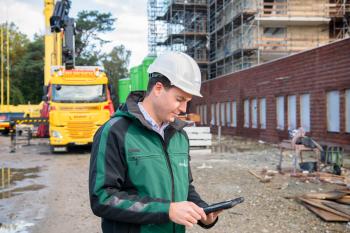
column 187, row 213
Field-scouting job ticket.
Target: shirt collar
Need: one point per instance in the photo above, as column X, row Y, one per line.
column 152, row 122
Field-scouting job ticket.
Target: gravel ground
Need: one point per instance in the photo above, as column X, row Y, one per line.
column 56, row 197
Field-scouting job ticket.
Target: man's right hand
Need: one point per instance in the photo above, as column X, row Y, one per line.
column 186, row 213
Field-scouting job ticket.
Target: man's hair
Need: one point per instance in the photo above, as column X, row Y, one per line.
column 156, row 77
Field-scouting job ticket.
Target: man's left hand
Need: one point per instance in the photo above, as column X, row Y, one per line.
column 211, row 218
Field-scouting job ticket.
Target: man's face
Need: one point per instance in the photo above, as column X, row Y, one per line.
column 169, row 103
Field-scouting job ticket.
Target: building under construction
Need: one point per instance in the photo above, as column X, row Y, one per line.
column 179, row 25
column 246, row 95
column 244, row 33
column 225, row 36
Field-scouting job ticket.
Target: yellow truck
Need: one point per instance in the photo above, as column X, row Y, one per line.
column 77, row 99
column 79, row 102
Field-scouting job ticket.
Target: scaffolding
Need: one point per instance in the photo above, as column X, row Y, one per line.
column 339, row 11
column 225, row 36
column 232, row 31
column 243, row 33
column 154, row 10
column 179, row 25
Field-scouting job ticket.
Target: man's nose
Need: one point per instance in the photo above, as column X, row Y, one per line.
column 183, row 107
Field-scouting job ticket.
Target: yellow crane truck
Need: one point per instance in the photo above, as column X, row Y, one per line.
column 77, row 99
column 79, row 103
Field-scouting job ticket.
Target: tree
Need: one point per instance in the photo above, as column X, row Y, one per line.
column 88, row 46
column 116, row 64
column 88, row 43
column 18, row 47
column 27, row 64
column 18, row 43
column 28, row 72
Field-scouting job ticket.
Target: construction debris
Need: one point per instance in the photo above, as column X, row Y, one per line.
column 317, row 177
column 332, row 195
column 263, row 179
column 326, row 206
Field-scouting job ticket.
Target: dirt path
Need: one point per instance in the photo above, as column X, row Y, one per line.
column 60, row 201
column 68, row 201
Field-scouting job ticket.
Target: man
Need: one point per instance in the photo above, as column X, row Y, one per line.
column 140, row 178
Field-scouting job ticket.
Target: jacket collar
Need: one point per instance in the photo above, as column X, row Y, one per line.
column 132, row 110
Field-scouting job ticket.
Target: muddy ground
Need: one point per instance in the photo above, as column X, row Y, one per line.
column 48, row 193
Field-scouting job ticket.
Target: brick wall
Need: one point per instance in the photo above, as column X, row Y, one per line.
column 313, row 72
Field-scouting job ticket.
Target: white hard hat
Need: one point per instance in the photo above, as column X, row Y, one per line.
column 181, row 70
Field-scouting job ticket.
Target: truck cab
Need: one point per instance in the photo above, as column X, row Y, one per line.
column 79, row 102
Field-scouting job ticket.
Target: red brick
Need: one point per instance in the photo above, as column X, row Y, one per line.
column 315, row 72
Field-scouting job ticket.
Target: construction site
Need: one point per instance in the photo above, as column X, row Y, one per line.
column 228, row 36
column 272, row 127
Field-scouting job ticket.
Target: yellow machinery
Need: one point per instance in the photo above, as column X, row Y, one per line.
column 79, row 105
column 77, row 99
column 9, row 112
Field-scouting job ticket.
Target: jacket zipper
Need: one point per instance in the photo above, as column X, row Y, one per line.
column 171, row 172
column 138, row 158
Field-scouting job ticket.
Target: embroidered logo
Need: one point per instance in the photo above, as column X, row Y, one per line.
column 183, row 164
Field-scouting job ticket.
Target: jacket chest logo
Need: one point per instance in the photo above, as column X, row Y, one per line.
column 183, row 164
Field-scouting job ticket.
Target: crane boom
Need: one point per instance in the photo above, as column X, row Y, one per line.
column 53, row 43
column 61, row 22
column 77, row 99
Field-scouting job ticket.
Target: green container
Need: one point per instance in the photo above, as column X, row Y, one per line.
column 134, row 78
column 140, row 78
column 147, row 61
column 139, row 75
column 124, row 89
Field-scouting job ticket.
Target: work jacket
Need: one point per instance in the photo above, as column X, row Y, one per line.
column 135, row 173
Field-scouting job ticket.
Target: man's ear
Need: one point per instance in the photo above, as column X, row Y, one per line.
column 158, row 88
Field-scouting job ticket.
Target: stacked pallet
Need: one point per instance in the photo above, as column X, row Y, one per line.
column 200, row 137
column 329, row 206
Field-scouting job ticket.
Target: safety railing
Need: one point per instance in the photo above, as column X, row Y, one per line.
column 296, row 9
column 289, row 44
column 190, row 2
column 339, row 8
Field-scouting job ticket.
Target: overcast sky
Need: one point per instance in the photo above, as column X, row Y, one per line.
column 131, row 25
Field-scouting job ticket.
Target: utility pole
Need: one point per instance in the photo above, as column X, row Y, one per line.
column 8, row 63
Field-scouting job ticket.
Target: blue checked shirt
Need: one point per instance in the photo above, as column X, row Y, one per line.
column 152, row 123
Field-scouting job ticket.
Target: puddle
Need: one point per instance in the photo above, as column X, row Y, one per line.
column 19, row 227
column 14, row 181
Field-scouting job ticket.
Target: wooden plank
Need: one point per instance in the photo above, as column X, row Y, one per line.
column 332, row 195
column 318, row 204
column 199, row 151
column 200, row 143
column 197, row 129
column 264, row 179
column 339, row 207
column 207, row 136
column 333, row 180
column 347, row 191
column 344, row 200
column 325, row 215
